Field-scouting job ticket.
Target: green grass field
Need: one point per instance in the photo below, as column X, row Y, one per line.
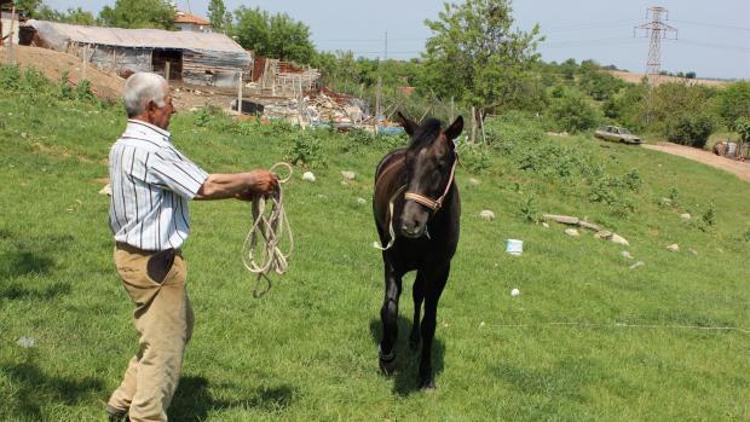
column 307, row 349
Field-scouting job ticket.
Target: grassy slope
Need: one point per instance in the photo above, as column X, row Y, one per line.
column 307, row 350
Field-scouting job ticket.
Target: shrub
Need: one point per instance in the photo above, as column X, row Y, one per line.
column 306, row 149
column 690, row 129
column 573, row 113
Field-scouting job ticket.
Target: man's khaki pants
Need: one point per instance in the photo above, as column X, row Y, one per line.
column 164, row 319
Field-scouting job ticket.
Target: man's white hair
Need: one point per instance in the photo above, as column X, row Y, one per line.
column 140, row 89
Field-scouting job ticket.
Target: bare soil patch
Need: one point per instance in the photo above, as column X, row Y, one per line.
column 738, row 168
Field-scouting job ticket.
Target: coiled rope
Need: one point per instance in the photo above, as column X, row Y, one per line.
column 261, row 251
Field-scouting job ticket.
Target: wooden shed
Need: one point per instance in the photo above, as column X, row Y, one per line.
column 196, row 58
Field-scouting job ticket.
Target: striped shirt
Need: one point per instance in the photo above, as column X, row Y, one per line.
column 151, row 185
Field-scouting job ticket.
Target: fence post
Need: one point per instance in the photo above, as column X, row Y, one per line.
column 239, row 94
column 85, row 62
column 473, row 124
column 167, row 69
column 11, row 52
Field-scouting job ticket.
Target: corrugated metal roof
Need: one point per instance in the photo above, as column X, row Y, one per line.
column 59, row 34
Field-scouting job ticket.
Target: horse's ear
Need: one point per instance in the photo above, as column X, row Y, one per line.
column 409, row 125
column 455, row 128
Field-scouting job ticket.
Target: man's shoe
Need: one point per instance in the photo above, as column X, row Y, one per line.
column 117, row 415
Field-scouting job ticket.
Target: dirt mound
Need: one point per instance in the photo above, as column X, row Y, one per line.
column 53, row 64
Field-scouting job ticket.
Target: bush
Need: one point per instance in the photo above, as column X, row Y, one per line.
column 573, row 113
column 306, row 149
column 690, row 129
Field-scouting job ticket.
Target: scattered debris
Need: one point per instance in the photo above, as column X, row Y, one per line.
column 361, row 201
column 666, row 202
column 572, row 232
column 481, row 324
column 514, row 247
column 487, row 215
column 515, row 292
column 603, row 234
column 349, row 175
column 308, row 176
column 637, row 264
column 626, row 255
column 619, row 240
column 693, row 252
column 473, row 181
column 26, row 342
column 685, row 216
column 673, row 247
column 545, row 225
column 564, row 219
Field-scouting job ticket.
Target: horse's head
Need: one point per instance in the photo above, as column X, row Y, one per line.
column 430, row 163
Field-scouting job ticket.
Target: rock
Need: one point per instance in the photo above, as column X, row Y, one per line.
column 565, row 219
column 487, row 215
column 106, row 190
column 626, row 255
column 693, row 252
column 473, row 181
column 545, row 225
column 26, row 342
column 515, row 292
column 572, row 232
column 349, row 175
column 619, row 240
column 603, row 234
column 361, row 201
column 673, row 247
column 666, row 202
column 685, row 216
column 308, row 176
column 590, row 226
column 637, row 264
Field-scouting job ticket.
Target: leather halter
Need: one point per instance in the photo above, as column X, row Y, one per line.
column 434, row 204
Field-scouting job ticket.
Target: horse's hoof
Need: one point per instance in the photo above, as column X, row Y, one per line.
column 428, row 386
column 387, row 367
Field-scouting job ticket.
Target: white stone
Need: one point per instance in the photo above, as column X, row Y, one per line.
column 26, row 342
column 308, row 176
column 473, row 181
column 693, row 251
column 487, row 215
column 515, row 292
column 361, row 201
column 572, row 232
column 685, row 216
column 106, row 190
column 349, row 175
column 619, row 240
column 626, row 255
column 545, row 225
column 637, row 264
column 673, row 247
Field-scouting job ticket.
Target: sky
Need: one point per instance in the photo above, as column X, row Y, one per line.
column 713, row 38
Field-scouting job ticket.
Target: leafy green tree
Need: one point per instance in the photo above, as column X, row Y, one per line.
column 218, row 15
column 573, row 112
column 75, row 16
column 139, row 14
column 277, row 36
column 28, row 7
column 475, row 56
column 734, row 102
column 690, row 128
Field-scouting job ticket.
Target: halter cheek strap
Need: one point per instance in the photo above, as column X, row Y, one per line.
column 433, row 204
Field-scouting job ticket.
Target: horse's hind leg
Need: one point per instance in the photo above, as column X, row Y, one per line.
column 434, row 286
column 389, row 317
column 418, row 295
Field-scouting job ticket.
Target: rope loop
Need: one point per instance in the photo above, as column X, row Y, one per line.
column 261, row 251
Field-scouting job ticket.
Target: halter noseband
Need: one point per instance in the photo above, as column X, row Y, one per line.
column 433, row 204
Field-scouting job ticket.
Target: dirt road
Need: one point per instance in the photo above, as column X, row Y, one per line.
column 740, row 169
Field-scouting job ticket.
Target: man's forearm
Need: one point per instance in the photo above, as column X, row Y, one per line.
column 220, row 186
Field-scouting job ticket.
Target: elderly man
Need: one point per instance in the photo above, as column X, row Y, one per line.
column 151, row 184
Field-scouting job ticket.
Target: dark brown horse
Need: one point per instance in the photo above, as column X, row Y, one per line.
column 417, row 210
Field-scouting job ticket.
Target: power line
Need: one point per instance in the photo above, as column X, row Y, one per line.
column 714, row 25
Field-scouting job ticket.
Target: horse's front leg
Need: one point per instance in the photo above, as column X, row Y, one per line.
column 389, row 317
column 433, row 288
column 418, row 295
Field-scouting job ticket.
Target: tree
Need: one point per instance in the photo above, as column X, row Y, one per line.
column 75, row 16
column 218, row 15
column 28, row 7
column 277, row 36
column 734, row 102
column 139, row 14
column 475, row 56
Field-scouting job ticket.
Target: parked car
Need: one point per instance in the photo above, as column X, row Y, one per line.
column 617, row 134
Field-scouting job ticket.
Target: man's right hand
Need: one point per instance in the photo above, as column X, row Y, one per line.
column 262, row 182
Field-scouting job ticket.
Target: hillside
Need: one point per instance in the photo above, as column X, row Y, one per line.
column 592, row 335
column 634, row 78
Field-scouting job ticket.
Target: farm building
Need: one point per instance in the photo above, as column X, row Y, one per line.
column 196, row 58
column 188, row 22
